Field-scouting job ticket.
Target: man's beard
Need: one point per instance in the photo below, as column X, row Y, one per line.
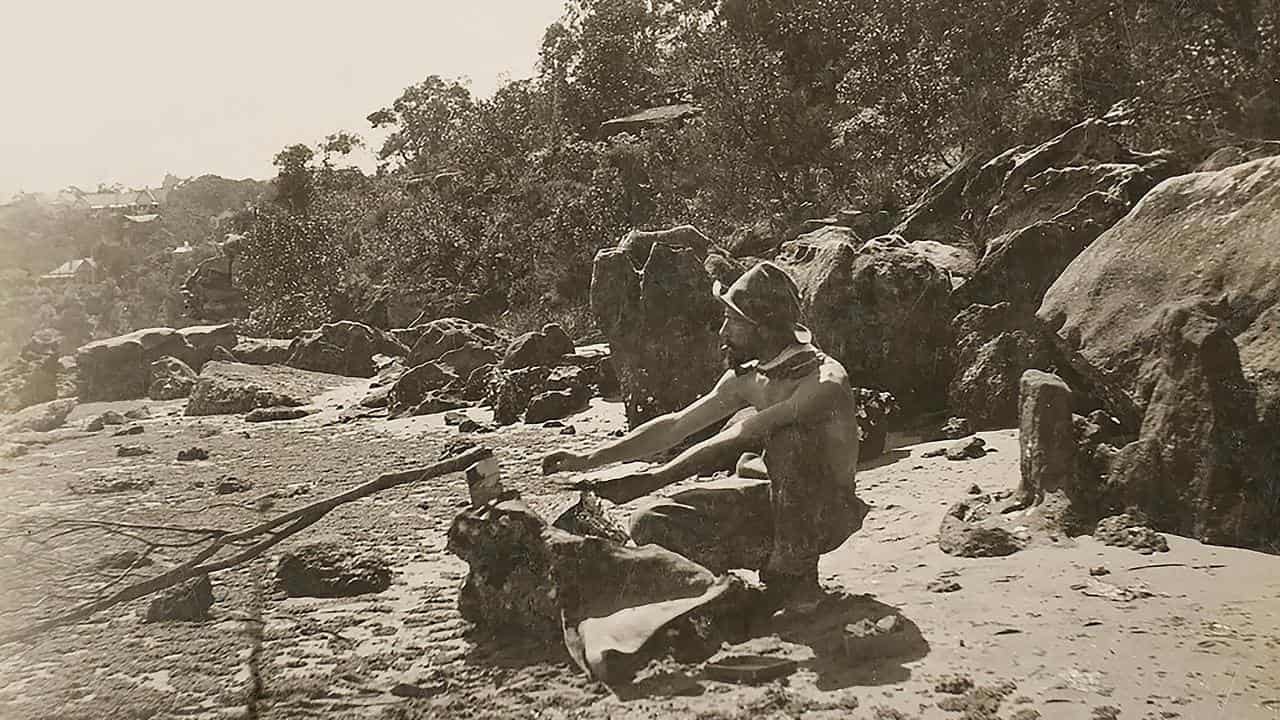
column 735, row 355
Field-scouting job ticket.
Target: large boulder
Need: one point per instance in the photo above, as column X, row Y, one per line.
column 261, row 351
column 1171, row 317
column 32, row 377
column 539, row 347
column 234, row 388
column 653, row 302
column 119, row 368
column 880, row 310
column 343, row 348
column 992, row 350
column 204, row 339
column 209, row 295
column 170, row 379
column 38, row 418
column 431, row 340
column 330, row 570
column 418, row 385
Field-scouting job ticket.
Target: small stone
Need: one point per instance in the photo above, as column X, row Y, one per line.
column 1099, row 570
column 1025, row 714
column 189, row 601
column 193, row 453
column 954, row 684
column 130, row 430
column 568, row 430
column 328, row 570
column 970, row 449
column 943, row 585
column 94, row 425
column 454, row 418
column 975, row 490
column 276, row 414
column 617, row 433
column 231, row 484
column 553, row 424
column 865, row 640
column 132, row 451
column 142, row 412
column 123, row 560
column 471, row 426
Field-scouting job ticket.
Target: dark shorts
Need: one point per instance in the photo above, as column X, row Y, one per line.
column 748, row 523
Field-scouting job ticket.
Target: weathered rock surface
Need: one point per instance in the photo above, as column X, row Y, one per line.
column 171, row 379
column 430, row 341
column 342, row 348
column 1046, row 438
column 653, row 302
column 539, row 347
column 204, row 339
column 187, row 602
column 119, row 368
column 1171, row 317
column 261, row 351
column 237, row 388
column 528, row 577
column 1124, row 530
column 882, row 311
column 963, row 535
column 329, row 570
column 276, row 414
column 209, row 295
column 32, row 377
column 38, row 418
column 416, row 386
column 992, row 349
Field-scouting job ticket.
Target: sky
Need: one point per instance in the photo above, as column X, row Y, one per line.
column 128, row 90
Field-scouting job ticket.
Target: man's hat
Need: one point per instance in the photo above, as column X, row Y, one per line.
column 765, row 296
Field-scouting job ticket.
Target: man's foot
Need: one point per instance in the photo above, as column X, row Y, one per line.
column 790, row 594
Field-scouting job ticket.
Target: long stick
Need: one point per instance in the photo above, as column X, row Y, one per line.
column 297, row 520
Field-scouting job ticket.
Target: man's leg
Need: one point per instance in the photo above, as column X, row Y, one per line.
column 720, row 525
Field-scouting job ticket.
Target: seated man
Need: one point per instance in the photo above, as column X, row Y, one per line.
column 781, row 510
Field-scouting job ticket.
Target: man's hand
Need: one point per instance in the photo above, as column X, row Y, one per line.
column 564, row 461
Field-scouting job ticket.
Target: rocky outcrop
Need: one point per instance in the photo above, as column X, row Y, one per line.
column 992, row 350
column 652, row 299
column 119, row 368
column 529, row 577
column 343, row 348
column 235, row 388
column 170, row 379
column 880, row 310
column 418, row 386
column 1171, row 317
column 204, row 340
column 209, row 295
column 32, row 377
column 329, row 570
column 430, row 341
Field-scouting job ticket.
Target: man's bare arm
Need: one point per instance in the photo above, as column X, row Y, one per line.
column 666, row 431
column 810, row 403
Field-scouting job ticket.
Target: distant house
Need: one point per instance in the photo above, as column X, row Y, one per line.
column 651, row 118
column 78, row 271
column 130, row 203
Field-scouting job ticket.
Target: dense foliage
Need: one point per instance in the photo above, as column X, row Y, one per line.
column 807, row 106
column 496, row 206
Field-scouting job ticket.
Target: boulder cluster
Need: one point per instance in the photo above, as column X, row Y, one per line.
column 1145, row 299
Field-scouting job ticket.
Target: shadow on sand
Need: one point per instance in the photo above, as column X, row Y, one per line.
column 822, row 630
column 888, row 457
